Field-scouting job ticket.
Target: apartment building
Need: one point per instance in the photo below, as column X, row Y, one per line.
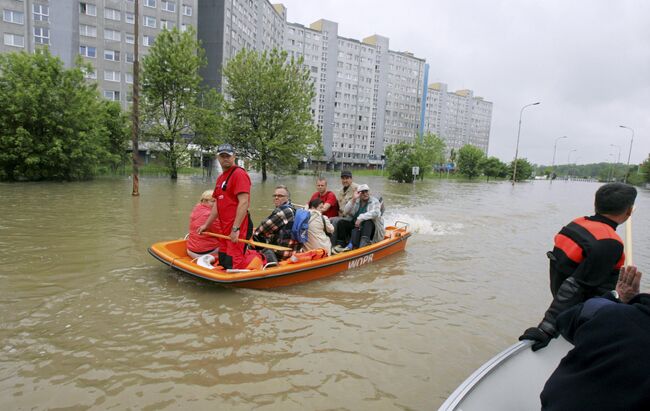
column 227, row 26
column 367, row 95
column 458, row 117
column 101, row 31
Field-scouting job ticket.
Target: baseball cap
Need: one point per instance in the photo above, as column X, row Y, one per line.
column 363, row 187
column 225, row 148
column 346, row 173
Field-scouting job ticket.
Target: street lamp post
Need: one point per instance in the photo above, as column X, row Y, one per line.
column 568, row 163
column 618, row 159
column 514, row 167
column 630, row 153
column 554, row 151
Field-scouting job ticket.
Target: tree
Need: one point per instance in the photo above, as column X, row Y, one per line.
column 493, row 167
column 645, row 169
column 400, row 159
column 206, row 118
column 170, row 87
column 524, row 169
column 51, row 119
column 268, row 115
column 469, row 160
column 115, row 121
column 429, row 151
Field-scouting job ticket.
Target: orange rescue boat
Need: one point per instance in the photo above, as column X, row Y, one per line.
column 173, row 254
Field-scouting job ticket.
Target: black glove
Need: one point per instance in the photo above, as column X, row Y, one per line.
column 539, row 336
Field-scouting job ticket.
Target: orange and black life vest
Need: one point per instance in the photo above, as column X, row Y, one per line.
column 588, row 249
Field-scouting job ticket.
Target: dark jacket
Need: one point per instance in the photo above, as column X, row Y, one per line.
column 609, row 367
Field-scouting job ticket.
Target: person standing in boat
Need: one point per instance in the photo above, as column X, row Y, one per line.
column 608, row 368
column 347, row 191
column 363, row 223
column 586, row 258
column 330, row 204
column 198, row 245
column 276, row 228
column 320, row 228
column 232, row 195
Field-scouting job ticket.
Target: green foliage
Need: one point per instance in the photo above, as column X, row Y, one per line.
column 493, row 167
column 401, row 157
column 524, row 169
column 117, row 137
column 52, row 124
column 645, row 170
column 268, row 117
column 170, row 91
column 206, row 118
column 470, row 159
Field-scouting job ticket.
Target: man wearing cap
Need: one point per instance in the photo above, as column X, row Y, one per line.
column 232, row 195
column 363, row 225
column 347, row 190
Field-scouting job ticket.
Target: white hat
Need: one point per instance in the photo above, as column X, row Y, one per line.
column 363, row 187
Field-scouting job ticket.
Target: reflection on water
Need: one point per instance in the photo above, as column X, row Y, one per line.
column 90, row 320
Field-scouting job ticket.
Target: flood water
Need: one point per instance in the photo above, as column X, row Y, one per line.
column 89, row 320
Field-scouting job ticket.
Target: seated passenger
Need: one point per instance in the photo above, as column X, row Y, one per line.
column 276, row 228
column 362, row 224
column 198, row 244
column 330, row 207
column 319, row 228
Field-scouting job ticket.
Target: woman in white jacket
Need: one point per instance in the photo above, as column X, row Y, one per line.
column 319, row 228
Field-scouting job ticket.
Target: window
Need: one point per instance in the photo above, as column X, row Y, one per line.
column 41, row 35
column 88, row 31
column 88, row 51
column 14, row 40
column 112, row 14
column 41, row 12
column 166, row 24
column 128, row 78
column 129, row 38
column 128, row 57
column 112, row 95
column 168, row 5
column 150, row 3
column 12, row 16
column 112, row 35
column 110, row 75
column 149, row 21
column 88, row 9
column 148, row 40
column 187, row 10
column 112, row 55
column 129, row 18
column 184, row 27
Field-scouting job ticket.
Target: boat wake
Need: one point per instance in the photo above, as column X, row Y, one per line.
column 422, row 225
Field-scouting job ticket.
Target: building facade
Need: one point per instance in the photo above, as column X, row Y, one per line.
column 101, row 32
column 458, row 118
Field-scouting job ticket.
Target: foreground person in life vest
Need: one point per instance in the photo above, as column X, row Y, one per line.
column 586, row 258
column 609, row 366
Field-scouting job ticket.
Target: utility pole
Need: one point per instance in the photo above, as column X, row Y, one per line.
column 135, row 127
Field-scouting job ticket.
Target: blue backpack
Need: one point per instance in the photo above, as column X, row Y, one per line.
column 300, row 226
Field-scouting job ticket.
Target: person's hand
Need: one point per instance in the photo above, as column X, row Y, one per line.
column 540, row 338
column 629, row 283
column 234, row 236
column 201, row 229
column 356, row 195
column 357, row 223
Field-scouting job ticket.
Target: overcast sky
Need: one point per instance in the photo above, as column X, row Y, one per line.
column 586, row 61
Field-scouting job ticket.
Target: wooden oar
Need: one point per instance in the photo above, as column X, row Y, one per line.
column 628, row 241
column 251, row 242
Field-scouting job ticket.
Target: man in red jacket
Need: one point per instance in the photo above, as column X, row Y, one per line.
column 232, row 195
column 330, row 207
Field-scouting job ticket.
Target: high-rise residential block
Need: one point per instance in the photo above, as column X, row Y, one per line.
column 458, row 117
column 102, row 32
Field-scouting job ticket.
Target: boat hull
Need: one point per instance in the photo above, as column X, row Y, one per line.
column 511, row 380
column 173, row 254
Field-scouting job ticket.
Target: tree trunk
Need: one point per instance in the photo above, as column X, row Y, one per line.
column 263, row 171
